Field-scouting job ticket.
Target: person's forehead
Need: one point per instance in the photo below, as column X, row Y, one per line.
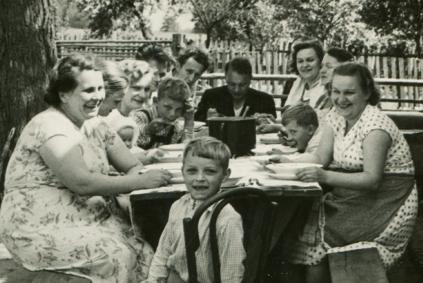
column 329, row 59
column 235, row 77
column 89, row 77
column 171, row 102
column 306, row 53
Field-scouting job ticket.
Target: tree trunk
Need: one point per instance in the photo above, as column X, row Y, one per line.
column 27, row 53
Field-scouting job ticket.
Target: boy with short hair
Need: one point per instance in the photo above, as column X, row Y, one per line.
column 302, row 127
column 158, row 124
column 205, row 167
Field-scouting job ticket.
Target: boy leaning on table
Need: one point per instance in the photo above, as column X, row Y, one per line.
column 301, row 128
column 158, row 124
column 205, row 167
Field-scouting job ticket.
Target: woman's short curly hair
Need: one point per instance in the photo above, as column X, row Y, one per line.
column 135, row 69
column 63, row 76
column 364, row 76
column 174, row 88
column 313, row 44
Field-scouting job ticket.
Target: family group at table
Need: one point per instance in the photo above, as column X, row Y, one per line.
column 106, row 120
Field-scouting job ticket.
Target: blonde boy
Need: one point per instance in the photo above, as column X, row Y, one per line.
column 301, row 124
column 205, row 167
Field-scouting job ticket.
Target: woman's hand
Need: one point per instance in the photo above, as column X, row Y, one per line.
column 312, row 174
column 155, row 178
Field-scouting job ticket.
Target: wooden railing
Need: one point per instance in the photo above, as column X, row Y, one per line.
column 261, row 81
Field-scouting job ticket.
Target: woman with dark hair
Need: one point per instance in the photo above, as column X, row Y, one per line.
column 306, row 62
column 367, row 163
column 58, row 212
column 156, row 57
column 333, row 57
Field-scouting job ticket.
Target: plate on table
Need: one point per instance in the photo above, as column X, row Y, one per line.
column 264, row 149
column 287, row 171
column 171, row 157
column 173, row 147
column 167, row 166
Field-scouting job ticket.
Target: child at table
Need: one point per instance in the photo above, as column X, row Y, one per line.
column 205, row 167
column 128, row 131
column 301, row 128
column 158, row 124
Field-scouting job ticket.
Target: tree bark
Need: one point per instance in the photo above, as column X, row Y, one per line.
column 27, row 53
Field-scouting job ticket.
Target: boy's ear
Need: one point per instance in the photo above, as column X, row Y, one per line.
column 311, row 129
column 227, row 174
column 64, row 96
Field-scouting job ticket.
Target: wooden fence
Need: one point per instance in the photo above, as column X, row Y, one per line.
column 267, row 62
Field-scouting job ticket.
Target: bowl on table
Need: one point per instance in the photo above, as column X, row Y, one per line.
column 287, row 171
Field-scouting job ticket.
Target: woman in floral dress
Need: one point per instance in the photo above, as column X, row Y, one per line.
column 58, row 212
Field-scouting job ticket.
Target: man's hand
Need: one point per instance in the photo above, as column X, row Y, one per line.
column 268, row 128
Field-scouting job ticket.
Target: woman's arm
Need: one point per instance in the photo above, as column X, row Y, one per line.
column 375, row 149
column 64, row 157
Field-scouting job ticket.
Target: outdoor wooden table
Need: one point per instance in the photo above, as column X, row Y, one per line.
column 150, row 208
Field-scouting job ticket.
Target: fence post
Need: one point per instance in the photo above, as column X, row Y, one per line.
column 177, row 40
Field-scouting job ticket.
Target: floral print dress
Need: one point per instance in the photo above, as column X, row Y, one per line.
column 46, row 226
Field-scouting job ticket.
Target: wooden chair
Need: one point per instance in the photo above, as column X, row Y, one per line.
column 256, row 211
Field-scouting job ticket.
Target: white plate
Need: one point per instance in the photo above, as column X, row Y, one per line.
column 289, row 169
column 262, row 149
column 167, row 166
column 173, row 147
column 171, row 157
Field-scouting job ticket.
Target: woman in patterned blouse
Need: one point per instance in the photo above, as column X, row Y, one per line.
column 372, row 201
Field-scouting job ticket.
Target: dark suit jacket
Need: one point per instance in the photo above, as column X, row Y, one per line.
column 221, row 99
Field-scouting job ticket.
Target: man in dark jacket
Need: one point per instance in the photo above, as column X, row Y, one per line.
column 236, row 98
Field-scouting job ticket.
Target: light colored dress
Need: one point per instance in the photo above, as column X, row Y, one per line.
column 299, row 93
column 356, row 219
column 46, row 226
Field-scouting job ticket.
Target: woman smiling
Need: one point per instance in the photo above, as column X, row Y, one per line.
column 58, row 212
column 367, row 163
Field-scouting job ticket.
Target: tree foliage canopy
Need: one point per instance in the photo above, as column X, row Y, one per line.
column 401, row 17
column 111, row 14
